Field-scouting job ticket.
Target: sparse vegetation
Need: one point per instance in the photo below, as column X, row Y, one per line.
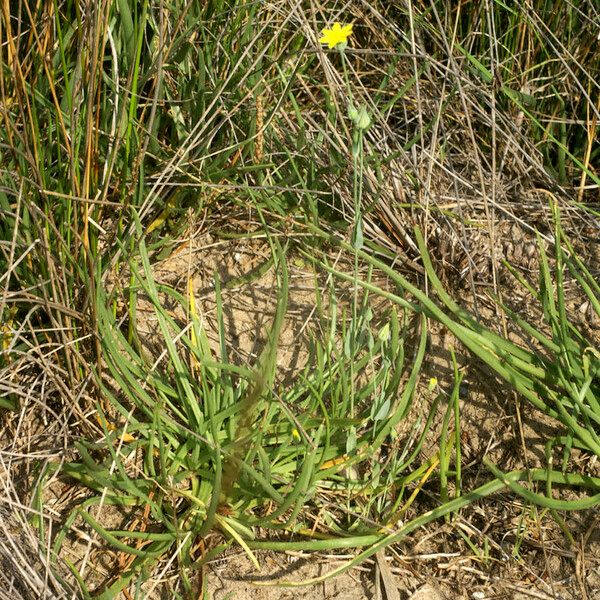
column 266, row 293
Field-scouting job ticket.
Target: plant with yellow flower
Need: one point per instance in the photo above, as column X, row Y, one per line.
column 337, row 37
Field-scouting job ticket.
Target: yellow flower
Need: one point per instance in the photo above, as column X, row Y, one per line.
column 336, row 35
